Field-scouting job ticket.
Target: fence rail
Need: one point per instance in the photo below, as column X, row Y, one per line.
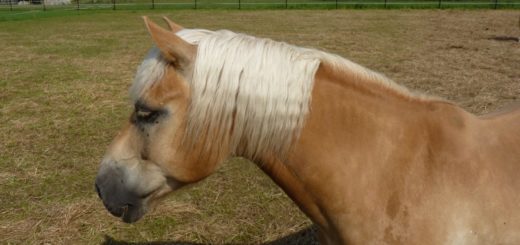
column 13, row 5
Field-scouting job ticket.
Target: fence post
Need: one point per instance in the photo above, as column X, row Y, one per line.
column 440, row 3
column 153, row 4
column 195, row 2
column 113, row 4
column 336, row 4
column 285, row 4
column 239, row 4
column 43, row 3
column 385, row 3
column 496, row 4
column 77, row 4
column 11, row 5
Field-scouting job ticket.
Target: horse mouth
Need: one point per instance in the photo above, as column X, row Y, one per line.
column 128, row 213
column 119, row 200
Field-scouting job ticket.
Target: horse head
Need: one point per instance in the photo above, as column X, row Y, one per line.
column 148, row 157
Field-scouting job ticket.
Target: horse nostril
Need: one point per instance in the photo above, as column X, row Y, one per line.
column 98, row 191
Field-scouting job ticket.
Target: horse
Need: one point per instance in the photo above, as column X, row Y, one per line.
column 368, row 161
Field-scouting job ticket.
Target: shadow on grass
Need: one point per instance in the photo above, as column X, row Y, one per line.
column 306, row 237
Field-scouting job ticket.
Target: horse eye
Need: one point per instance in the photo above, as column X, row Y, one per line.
column 145, row 115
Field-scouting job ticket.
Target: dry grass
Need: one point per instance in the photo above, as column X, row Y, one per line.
column 63, row 84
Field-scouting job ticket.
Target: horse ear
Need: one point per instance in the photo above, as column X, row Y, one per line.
column 174, row 27
column 172, row 47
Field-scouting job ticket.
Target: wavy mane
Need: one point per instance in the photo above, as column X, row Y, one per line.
column 248, row 91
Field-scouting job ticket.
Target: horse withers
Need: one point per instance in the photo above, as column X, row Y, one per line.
column 365, row 159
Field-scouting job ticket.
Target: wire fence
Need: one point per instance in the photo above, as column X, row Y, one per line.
column 16, row 5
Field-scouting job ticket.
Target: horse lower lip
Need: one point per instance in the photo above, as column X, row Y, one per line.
column 130, row 213
column 125, row 214
column 121, row 211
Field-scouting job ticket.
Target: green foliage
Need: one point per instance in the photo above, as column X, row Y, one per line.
column 254, row 4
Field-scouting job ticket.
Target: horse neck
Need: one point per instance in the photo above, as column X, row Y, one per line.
column 354, row 123
column 356, row 113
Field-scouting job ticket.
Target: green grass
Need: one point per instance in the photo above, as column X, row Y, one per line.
column 64, row 77
column 268, row 4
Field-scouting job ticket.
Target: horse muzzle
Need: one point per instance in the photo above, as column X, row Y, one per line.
column 116, row 196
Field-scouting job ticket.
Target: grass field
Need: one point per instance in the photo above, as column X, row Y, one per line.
column 264, row 4
column 63, row 83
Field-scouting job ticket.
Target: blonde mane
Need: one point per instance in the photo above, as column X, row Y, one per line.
column 249, row 92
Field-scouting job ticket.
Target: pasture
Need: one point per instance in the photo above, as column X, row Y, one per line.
column 63, row 96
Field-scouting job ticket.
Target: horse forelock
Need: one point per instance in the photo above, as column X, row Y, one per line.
column 251, row 92
column 150, row 71
column 152, row 68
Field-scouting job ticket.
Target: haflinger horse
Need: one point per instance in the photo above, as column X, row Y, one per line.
column 365, row 159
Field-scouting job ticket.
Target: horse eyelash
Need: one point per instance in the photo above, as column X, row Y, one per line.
column 144, row 115
column 149, row 118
